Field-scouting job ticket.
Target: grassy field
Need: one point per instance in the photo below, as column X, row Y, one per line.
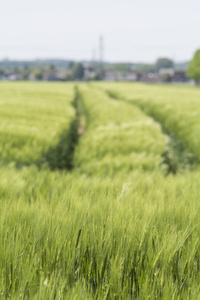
column 32, row 118
column 176, row 108
column 90, row 205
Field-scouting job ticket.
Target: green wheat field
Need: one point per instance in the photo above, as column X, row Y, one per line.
column 99, row 191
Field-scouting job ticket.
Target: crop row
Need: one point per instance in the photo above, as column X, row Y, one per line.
column 175, row 107
column 32, row 119
column 119, row 137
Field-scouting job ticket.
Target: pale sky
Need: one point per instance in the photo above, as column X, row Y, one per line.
column 132, row 30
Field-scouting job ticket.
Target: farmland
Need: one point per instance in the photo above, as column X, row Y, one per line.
column 99, row 191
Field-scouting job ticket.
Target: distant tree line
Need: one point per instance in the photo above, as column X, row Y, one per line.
column 161, row 63
column 68, row 70
column 73, row 71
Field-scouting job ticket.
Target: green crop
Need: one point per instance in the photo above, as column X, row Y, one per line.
column 119, row 137
column 32, row 118
column 87, row 211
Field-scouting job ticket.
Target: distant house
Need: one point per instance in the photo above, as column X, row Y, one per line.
column 11, row 77
column 151, row 77
column 132, row 76
column 165, row 75
column 121, row 76
column 58, row 76
column 113, row 76
column 89, row 73
column 166, row 71
column 180, row 76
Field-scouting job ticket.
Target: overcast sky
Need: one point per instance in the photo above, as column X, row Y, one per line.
column 132, row 30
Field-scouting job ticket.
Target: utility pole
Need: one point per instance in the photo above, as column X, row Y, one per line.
column 93, row 56
column 101, row 52
column 101, row 49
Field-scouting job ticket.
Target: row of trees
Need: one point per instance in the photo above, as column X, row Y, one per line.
column 74, row 71
column 193, row 70
column 161, row 63
column 77, row 71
